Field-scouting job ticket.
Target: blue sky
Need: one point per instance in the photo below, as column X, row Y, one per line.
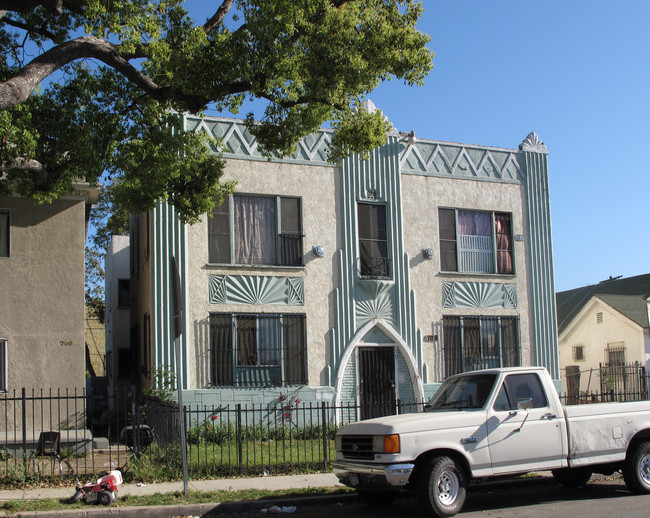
column 574, row 71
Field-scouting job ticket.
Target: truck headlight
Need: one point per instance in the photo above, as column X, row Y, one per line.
column 385, row 443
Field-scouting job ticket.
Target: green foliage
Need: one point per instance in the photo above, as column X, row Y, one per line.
column 223, row 433
column 113, row 94
column 163, row 384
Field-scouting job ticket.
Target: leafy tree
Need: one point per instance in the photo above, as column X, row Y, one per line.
column 106, row 219
column 89, row 87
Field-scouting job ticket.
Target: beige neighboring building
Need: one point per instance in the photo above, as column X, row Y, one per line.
column 95, row 347
column 42, row 313
column 605, row 324
column 365, row 282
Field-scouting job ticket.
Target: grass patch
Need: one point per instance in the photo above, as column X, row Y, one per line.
column 176, row 498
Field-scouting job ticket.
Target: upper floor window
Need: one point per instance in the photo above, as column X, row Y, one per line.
column 474, row 343
column 373, row 241
column 256, row 230
column 248, row 350
column 123, row 293
column 4, row 232
column 475, row 242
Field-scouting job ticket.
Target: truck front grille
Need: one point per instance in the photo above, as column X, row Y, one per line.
column 357, row 447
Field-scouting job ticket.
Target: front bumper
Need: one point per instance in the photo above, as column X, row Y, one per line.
column 373, row 476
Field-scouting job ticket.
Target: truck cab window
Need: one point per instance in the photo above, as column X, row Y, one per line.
column 517, row 387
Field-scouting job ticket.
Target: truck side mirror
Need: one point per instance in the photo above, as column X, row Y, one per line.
column 524, row 403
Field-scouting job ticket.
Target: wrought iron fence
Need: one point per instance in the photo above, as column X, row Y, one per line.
column 71, row 434
column 628, row 382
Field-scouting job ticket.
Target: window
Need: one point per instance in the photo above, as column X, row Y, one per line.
column 615, row 354
column 124, row 363
column 256, row 230
column 599, row 318
column 4, row 232
column 257, row 350
column 373, row 241
column 472, row 343
column 475, row 242
column 520, row 386
column 579, row 353
column 4, row 381
column 123, row 293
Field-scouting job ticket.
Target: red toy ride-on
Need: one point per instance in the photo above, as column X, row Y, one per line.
column 101, row 492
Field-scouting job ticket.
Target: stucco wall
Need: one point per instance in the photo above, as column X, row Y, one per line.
column 42, row 312
column 317, row 187
column 422, row 197
column 585, row 330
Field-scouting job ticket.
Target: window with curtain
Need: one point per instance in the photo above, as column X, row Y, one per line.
column 4, row 233
column 374, row 262
column 256, row 230
column 249, row 350
column 474, row 343
column 475, row 241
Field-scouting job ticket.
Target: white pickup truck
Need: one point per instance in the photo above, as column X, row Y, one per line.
column 490, row 423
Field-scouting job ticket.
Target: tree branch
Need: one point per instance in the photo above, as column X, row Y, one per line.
column 218, row 16
column 24, row 6
column 16, row 89
column 33, row 166
column 25, row 27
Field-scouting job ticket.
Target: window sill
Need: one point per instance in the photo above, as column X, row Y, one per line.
column 377, row 278
column 479, row 274
column 254, row 268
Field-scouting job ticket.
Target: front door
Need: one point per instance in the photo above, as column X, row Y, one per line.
column 376, row 381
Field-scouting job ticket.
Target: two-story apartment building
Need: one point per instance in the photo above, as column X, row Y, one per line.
column 42, row 312
column 367, row 281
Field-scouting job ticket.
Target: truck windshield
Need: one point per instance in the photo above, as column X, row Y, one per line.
column 464, row 392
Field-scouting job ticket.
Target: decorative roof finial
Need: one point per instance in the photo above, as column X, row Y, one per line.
column 533, row 144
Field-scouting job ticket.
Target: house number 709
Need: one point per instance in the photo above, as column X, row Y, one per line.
column 65, row 343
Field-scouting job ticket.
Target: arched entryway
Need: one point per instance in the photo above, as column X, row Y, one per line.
column 376, row 371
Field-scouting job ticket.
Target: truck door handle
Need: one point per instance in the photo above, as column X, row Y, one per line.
column 549, row 416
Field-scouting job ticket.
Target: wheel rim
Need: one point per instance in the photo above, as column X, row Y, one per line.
column 644, row 469
column 448, row 486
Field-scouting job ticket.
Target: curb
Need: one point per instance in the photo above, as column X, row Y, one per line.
column 167, row 511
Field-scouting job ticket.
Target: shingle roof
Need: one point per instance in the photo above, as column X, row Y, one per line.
column 625, row 295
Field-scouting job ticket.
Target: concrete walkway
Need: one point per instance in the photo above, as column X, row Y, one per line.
column 274, row 483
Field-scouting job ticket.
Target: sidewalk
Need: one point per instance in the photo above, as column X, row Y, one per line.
column 271, row 483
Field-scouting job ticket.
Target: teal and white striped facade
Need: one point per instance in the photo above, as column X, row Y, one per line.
column 398, row 312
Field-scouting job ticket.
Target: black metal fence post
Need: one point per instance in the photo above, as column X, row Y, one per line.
column 24, row 418
column 240, row 445
column 325, row 434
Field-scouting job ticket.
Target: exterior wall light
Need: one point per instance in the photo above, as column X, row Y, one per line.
column 319, row 251
column 427, row 253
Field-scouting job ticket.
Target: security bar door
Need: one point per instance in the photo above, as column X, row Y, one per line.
column 376, row 381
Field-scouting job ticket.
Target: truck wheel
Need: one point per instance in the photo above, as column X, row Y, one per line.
column 572, row 477
column 442, row 487
column 377, row 497
column 636, row 470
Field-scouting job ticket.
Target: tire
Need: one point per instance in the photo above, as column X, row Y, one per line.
column 636, row 470
column 105, row 497
column 442, row 487
column 376, row 498
column 572, row 477
column 77, row 497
